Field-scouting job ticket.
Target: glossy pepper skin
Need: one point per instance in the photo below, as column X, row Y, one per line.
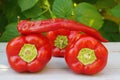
column 28, row 27
column 18, row 51
column 59, row 40
column 86, row 55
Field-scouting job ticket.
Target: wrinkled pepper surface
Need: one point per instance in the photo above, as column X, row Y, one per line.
column 86, row 55
column 28, row 27
column 28, row 53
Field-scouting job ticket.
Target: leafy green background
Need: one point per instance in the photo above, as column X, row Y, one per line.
column 103, row 15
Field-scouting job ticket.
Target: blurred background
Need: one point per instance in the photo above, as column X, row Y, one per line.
column 103, row 15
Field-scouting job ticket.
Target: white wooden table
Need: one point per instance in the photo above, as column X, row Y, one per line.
column 58, row 70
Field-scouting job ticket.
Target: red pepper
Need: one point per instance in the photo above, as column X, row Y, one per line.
column 28, row 27
column 86, row 55
column 28, row 53
column 59, row 40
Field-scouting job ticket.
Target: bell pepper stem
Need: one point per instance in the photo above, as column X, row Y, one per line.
column 61, row 41
column 28, row 52
column 86, row 56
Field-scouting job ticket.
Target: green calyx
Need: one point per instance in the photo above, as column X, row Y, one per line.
column 28, row 52
column 61, row 41
column 86, row 56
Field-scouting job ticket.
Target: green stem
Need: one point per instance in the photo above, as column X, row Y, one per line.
column 61, row 41
column 18, row 17
column 43, row 12
column 86, row 56
column 28, row 52
column 51, row 13
column 46, row 2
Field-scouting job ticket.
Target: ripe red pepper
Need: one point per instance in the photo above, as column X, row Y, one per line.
column 28, row 27
column 28, row 53
column 86, row 55
column 59, row 40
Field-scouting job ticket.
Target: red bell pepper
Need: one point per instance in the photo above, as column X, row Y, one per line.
column 28, row 27
column 86, row 55
column 59, row 40
column 32, row 51
column 28, row 53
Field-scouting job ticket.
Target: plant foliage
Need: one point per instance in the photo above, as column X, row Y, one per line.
column 103, row 15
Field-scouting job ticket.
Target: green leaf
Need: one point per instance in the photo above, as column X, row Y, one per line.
column 117, row 1
column 110, row 26
column 119, row 28
column 12, row 10
column 116, row 37
column 110, row 30
column 62, row 8
column 39, row 11
column 106, row 35
column 116, row 11
column 105, row 4
column 10, row 32
column 51, row 2
column 88, row 15
column 33, row 12
column 3, row 22
column 40, row 18
column 88, row 1
column 26, row 4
